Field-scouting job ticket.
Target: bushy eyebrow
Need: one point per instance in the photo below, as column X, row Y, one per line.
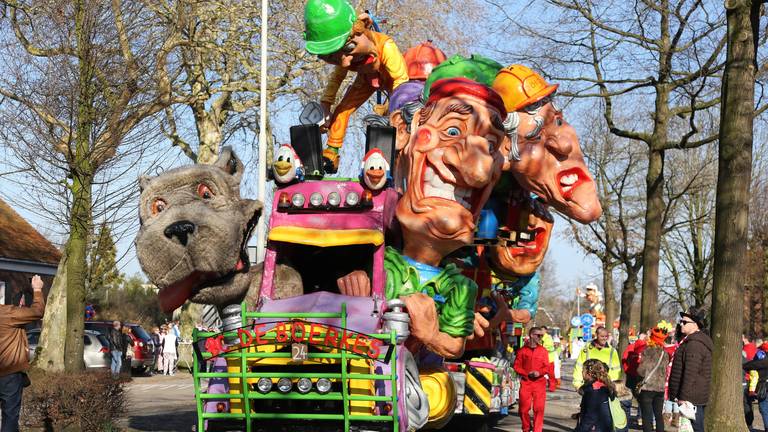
column 459, row 108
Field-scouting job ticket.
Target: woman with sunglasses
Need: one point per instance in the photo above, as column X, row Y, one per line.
column 336, row 35
column 692, row 366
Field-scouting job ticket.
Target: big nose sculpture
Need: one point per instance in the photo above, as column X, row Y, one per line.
column 180, row 230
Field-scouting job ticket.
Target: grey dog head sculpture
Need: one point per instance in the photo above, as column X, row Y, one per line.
column 194, row 232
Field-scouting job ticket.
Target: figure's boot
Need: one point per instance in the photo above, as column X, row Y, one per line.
column 331, row 160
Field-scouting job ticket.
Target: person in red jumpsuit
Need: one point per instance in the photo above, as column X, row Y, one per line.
column 532, row 364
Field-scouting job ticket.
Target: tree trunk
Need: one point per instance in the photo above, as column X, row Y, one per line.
column 765, row 291
column 653, row 231
column 628, row 291
column 731, row 214
column 608, row 293
column 81, row 173
column 50, row 355
column 76, row 272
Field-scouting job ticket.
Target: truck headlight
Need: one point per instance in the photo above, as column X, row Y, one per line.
column 304, row 385
column 316, row 199
column 352, row 199
column 284, row 385
column 334, row 199
column 323, row 385
column 297, row 200
column 264, row 385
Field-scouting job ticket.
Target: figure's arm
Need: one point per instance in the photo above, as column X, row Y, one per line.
column 332, row 88
column 425, row 327
column 19, row 316
column 394, row 63
column 357, row 94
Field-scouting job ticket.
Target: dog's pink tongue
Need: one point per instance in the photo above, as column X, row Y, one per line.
column 173, row 296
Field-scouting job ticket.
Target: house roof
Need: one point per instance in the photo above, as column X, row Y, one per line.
column 20, row 241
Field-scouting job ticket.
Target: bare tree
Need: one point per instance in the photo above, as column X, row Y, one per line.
column 663, row 55
column 217, row 61
column 687, row 251
column 616, row 238
column 732, row 210
column 78, row 87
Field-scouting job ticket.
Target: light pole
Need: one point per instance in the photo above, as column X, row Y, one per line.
column 262, row 228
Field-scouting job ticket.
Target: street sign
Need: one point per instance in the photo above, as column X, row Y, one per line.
column 587, row 320
column 575, row 321
column 587, row 335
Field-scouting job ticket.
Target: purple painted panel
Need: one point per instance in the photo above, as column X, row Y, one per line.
column 360, row 316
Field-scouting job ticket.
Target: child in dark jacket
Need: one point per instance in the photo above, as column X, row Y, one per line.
column 598, row 389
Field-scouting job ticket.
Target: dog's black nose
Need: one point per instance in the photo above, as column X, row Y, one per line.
column 180, row 230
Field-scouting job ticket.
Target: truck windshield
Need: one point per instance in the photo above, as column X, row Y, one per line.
column 320, row 267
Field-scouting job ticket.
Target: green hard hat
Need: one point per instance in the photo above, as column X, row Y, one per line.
column 327, row 25
column 476, row 67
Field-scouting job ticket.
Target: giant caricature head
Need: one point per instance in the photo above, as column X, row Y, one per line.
column 523, row 215
column 543, row 150
column 451, row 161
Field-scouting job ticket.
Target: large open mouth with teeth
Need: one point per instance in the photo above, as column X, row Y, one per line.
column 570, row 179
column 435, row 187
column 522, row 242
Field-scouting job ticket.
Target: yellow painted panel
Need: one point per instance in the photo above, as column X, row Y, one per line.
column 326, row 237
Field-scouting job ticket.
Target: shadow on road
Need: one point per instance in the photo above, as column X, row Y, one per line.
column 169, row 421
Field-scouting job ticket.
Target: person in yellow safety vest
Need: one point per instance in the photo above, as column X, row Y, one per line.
column 599, row 350
column 549, row 344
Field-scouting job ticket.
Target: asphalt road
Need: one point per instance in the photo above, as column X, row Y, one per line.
column 167, row 403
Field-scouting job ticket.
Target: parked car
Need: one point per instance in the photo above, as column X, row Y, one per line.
column 95, row 348
column 142, row 358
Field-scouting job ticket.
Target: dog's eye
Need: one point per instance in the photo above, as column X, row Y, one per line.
column 158, row 206
column 203, row 191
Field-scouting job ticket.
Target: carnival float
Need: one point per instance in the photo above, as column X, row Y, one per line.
column 388, row 301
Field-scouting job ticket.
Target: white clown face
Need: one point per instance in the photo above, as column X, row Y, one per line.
column 285, row 164
column 375, row 169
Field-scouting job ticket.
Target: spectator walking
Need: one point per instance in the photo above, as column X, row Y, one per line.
column 596, row 392
column 128, row 353
column 14, row 354
column 630, row 360
column 156, row 350
column 599, row 350
column 169, row 353
column 549, row 344
column 692, row 366
column 532, row 364
column 652, row 370
column 118, row 343
column 760, row 393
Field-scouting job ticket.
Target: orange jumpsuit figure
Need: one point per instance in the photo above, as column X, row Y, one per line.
column 337, row 36
column 532, row 364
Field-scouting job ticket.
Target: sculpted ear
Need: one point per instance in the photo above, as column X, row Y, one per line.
column 230, row 163
column 144, row 182
column 402, row 135
column 366, row 19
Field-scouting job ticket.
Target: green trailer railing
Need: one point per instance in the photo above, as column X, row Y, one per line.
column 246, row 395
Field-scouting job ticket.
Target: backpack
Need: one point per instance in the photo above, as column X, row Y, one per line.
column 618, row 415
